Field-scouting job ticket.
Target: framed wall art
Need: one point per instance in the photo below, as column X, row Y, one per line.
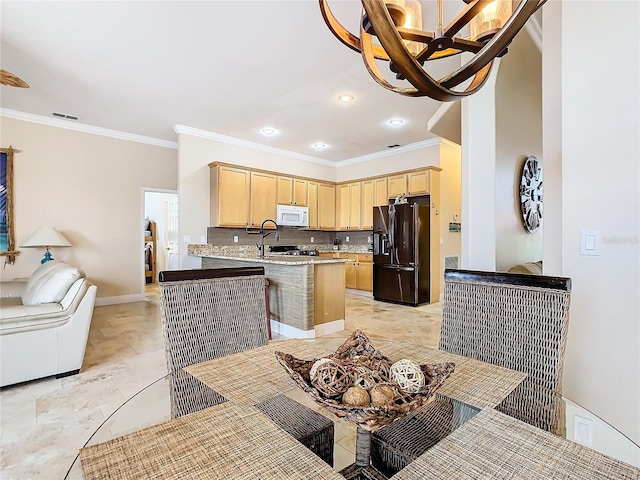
column 7, row 235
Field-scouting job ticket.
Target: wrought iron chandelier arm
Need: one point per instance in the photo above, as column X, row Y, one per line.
column 464, row 17
column 344, row 35
column 495, row 46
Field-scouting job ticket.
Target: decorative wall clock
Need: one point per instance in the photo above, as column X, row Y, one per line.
column 531, row 194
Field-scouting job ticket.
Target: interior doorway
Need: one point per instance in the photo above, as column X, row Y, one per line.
column 161, row 207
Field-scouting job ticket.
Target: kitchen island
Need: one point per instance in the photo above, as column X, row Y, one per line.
column 306, row 293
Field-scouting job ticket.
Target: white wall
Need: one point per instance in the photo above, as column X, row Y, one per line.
column 450, row 203
column 518, row 135
column 89, row 188
column 601, row 191
column 591, row 135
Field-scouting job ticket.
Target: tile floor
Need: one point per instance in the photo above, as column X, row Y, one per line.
column 44, row 423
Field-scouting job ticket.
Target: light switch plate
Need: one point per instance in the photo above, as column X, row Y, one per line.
column 235, row 239
column 590, row 242
column 187, row 239
column 312, row 239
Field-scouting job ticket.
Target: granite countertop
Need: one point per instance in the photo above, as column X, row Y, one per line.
column 210, row 251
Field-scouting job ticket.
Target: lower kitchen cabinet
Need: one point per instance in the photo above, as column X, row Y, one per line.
column 364, row 272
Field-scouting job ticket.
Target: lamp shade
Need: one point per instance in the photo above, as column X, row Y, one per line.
column 46, row 237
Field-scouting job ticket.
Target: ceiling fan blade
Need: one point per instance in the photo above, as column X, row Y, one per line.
column 8, row 78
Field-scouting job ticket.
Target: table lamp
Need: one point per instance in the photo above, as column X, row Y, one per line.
column 46, row 237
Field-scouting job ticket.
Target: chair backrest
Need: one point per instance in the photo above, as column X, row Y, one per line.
column 516, row 321
column 206, row 314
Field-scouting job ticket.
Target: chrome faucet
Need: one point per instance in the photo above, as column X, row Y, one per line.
column 263, row 235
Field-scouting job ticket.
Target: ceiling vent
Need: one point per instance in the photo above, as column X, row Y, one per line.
column 64, row 115
column 393, row 146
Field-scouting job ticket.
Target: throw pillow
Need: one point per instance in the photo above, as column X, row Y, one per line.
column 50, row 283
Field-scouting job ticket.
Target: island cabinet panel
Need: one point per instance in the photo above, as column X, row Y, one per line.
column 367, row 205
column 312, row 203
column 229, row 195
column 263, row 198
column 329, row 288
column 326, row 206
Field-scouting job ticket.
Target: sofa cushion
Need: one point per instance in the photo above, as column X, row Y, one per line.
column 49, row 283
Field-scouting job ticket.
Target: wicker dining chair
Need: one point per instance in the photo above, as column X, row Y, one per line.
column 210, row 313
column 517, row 321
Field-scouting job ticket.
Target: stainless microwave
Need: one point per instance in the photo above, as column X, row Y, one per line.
column 292, row 216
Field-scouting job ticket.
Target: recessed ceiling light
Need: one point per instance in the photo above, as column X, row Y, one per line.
column 396, row 122
column 268, row 131
column 319, row 146
column 345, row 98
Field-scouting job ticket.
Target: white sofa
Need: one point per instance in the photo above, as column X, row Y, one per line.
column 44, row 323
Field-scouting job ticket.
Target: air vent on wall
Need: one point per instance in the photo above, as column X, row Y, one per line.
column 450, row 262
column 64, row 115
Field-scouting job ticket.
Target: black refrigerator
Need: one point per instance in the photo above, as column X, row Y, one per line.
column 401, row 253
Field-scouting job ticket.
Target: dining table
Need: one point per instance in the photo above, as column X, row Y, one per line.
column 235, row 440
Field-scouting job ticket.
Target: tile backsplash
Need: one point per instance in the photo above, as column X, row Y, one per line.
column 289, row 236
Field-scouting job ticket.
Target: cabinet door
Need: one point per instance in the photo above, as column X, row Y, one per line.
column 263, row 197
column 364, row 276
column 350, row 270
column 397, row 185
column 380, row 195
column 230, row 196
column 342, row 206
column 366, row 204
column 326, row 206
column 285, row 191
column 418, row 182
column 300, row 189
column 355, row 208
column 312, row 203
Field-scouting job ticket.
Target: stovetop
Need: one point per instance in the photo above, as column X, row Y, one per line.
column 291, row 250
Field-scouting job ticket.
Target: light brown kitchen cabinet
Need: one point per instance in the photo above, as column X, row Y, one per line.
column 326, row 206
column 366, row 203
column 312, row 203
column 229, row 193
column 418, row 182
column 348, row 206
column 292, row 191
column 342, row 206
column 397, row 185
column 349, row 270
column 364, row 272
column 380, row 193
column 263, row 198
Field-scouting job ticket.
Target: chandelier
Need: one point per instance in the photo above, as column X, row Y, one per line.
column 397, row 25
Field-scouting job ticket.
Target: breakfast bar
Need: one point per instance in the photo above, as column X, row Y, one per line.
column 306, row 294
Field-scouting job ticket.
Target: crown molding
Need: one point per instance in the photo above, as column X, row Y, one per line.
column 83, row 127
column 391, row 152
column 196, row 132
column 534, row 29
column 449, row 144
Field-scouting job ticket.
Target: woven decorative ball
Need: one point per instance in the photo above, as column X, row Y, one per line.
column 357, row 397
column 407, row 374
column 364, row 377
column 314, row 367
column 381, row 395
column 381, row 369
column 359, row 360
column 332, row 378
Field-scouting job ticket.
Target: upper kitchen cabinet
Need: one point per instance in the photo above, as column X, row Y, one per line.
column 411, row 183
column 263, row 198
column 229, row 196
column 348, row 206
column 380, row 192
column 312, row 203
column 397, row 185
column 292, row 191
column 367, row 203
column 326, row 206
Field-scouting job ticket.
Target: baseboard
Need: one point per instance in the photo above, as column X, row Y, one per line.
column 120, row 299
column 293, row 332
column 364, row 293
